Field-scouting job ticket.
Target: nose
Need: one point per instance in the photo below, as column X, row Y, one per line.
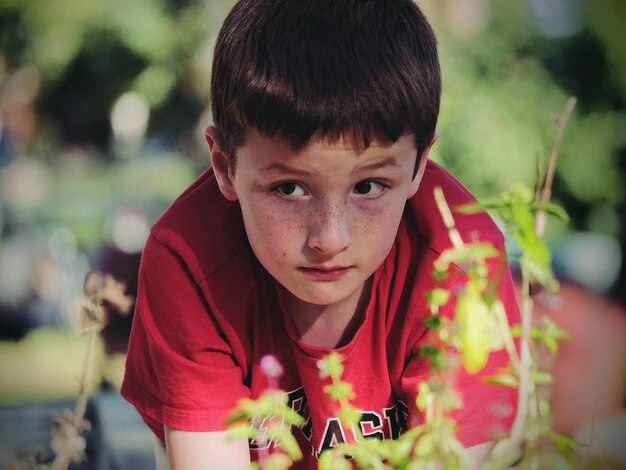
column 329, row 231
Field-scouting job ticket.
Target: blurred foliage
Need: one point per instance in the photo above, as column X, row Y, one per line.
column 500, row 87
column 37, row 368
column 89, row 52
column 505, row 79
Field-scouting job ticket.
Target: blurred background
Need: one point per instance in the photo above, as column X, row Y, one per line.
column 102, row 107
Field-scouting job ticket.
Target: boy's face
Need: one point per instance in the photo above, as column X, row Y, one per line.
column 322, row 219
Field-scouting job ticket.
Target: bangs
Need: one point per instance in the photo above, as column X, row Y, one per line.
column 333, row 105
column 333, row 69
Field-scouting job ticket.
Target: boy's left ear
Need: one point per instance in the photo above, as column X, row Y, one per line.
column 421, row 167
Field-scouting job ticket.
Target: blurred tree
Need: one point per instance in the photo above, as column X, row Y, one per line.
column 90, row 52
column 79, row 101
column 507, row 70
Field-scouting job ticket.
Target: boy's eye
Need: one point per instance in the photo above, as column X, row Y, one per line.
column 289, row 189
column 369, row 188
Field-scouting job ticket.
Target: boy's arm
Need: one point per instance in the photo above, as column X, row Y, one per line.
column 182, row 369
column 203, row 450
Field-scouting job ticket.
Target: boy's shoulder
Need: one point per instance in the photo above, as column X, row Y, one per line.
column 472, row 227
column 202, row 227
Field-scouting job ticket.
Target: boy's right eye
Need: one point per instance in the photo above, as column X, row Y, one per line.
column 289, row 189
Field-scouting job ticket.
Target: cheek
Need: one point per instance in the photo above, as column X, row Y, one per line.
column 379, row 216
column 270, row 231
column 378, row 226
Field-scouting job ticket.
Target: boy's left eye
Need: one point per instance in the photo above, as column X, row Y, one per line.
column 369, row 188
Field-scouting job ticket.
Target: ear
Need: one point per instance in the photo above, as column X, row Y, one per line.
column 222, row 165
column 421, row 167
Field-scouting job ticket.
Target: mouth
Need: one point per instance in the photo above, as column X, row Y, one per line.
column 326, row 273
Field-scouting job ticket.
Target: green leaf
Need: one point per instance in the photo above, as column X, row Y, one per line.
column 563, row 442
column 552, row 329
column 534, row 249
column 472, row 316
column 401, row 451
column 437, row 298
column 506, row 380
column 450, row 399
column 425, row 446
column 542, row 274
column 330, row 365
column 282, row 434
column 289, row 415
column 542, row 378
column 473, row 207
column 551, row 343
column 424, row 395
column 468, row 254
column 349, row 416
column 242, row 430
column 433, row 322
column 330, row 459
column 340, row 391
column 277, row 461
column 432, row 353
column 501, row 461
column 552, row 209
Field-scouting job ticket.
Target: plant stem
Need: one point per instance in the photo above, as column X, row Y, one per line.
column 523, row 392
column 546, row 191
column 81, row 403
column 62, row 459
column 505, row 331
column 448, row 220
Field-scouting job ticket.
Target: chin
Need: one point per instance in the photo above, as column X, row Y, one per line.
column 325, row 297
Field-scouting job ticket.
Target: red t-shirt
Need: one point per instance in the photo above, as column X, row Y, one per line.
column 207, row 312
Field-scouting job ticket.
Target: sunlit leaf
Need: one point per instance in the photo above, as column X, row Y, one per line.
column 340, row 391
column 437, row 298
column 330, row 365
column 506, row 380
column 472, row 316
column 552, row 209
column 542, row 378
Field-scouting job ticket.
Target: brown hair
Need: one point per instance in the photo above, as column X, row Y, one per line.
column 360, row 69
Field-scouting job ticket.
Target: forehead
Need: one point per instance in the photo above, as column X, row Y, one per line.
column 330, row 159
column 257, row 142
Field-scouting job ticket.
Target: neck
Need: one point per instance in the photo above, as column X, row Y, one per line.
column 328, row 326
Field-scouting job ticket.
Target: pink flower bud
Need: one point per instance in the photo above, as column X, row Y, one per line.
column 271, row 367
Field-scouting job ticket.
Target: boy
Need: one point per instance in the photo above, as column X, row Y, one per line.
column 315, row 229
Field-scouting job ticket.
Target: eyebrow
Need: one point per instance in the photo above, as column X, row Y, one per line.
column 377, row 165
column 281, row 168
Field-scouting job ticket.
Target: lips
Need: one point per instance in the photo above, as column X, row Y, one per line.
column 326, row 273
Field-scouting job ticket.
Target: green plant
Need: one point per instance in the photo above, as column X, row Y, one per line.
column 268, row 419
column 478, row 327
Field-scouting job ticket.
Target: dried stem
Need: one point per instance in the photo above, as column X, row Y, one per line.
column 546, row 187
column 92, row 321
column 62, row 459
column 81, row 402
